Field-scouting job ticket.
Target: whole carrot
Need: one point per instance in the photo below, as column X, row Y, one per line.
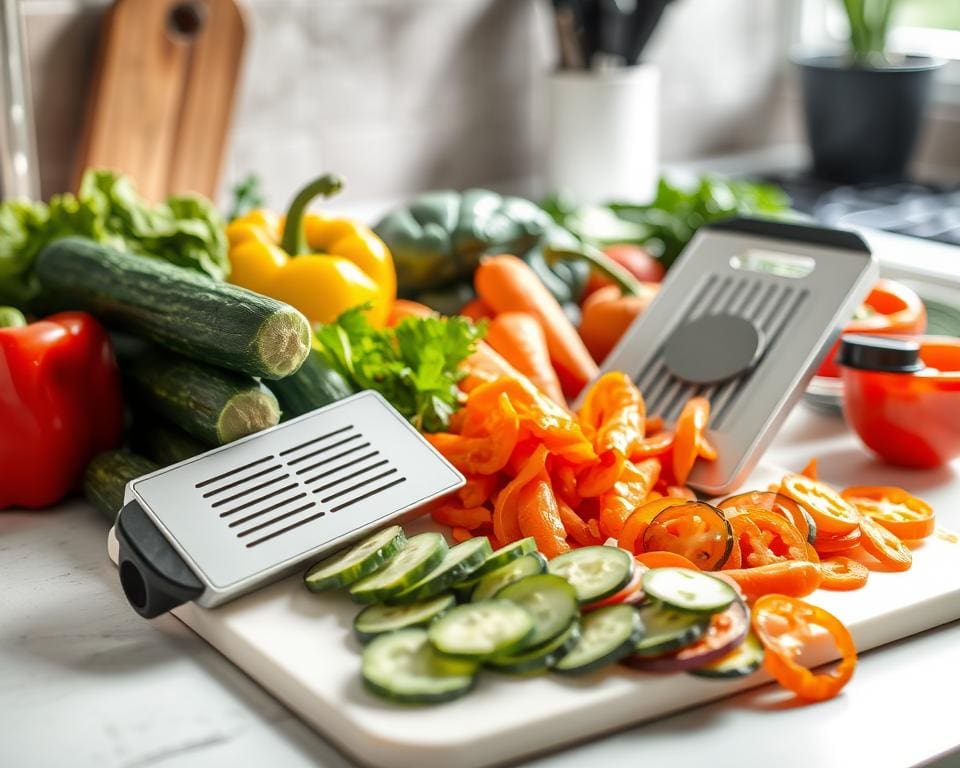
column 507, row 284
column 519, row 337
column 486, row 365
column 606, row 317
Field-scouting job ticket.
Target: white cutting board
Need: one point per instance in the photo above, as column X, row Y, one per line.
column 300, row 647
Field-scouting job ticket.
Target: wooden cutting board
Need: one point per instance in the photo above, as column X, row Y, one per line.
column 162, row 98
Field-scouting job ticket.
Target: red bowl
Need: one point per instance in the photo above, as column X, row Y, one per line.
column 909, row 419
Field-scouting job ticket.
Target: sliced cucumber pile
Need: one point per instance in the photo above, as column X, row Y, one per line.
column 378, row 619
column 493, row 582
column 595, row 572
column 421, row 554
column 403, row 666
column 435, row 615
column 353, row 564
column 607, row 635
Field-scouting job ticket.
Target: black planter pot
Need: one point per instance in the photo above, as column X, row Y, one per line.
column 863, row 122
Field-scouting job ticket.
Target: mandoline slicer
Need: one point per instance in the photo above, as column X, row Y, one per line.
column 744, row 319
column 221, row 524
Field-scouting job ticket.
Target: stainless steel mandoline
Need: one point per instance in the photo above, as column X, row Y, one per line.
column 744, row 319
column 216, row 526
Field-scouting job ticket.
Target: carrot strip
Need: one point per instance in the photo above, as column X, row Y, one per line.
column 539, row 517
column 577, row 529
column 506, row 526
column 486, row 365
column 460, row 535
column 519, row 337
column 617, row 504
column 794, row 578
column 507, row 284
column 687, row 445
column 469, row 518
column 663, row 559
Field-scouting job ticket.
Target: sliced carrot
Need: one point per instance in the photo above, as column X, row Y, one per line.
column 576, row 527
column 827, row 545
column 658, row 445
column 507, row 284
column 469, row 518
column 617, row 504
column 506, row 526
column 681, row 492
column 829, row 510
column 539, row 517
column 811, row 469
column 519, row 338
column 487, row 454
column 691, row 427
column 478, row 490
column 654, row 424
column 460, row 534
column 794, row 578
column 663, row 559
column 897, row 510
column 843, row 573
column 884, row 546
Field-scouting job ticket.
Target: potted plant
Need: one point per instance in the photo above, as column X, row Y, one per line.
column 864, row 108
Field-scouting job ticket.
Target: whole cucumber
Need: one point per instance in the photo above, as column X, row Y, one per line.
column 214, row 405
column 106, row 478
column 177, row 308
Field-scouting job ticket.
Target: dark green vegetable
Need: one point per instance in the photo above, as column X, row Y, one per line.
column 666, row 225
column 106, row 478
column 316, row 384
column 164, row 443
column 185, row 230
column 415, row 366
column 179, row 309
column 438, row 240
column 214, row 405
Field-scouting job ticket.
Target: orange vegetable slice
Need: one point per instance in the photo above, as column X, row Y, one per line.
column 901, row 513
column 631, row 535
column 830, row 511
column 843, row 573
column 796, row 578
column 665, row 559
column 884, row 546
column 617, row 504
column 695, row 530
column 539, row 517
column 690, row 430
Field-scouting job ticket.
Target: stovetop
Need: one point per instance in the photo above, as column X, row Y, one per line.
column 927, row 211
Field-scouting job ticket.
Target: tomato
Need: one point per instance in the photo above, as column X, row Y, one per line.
column 784, row 625
column 841, row 573
column 891, row 308
column 829, row 510
column 637, row 261
column 884, row 546
column 772, row 502
column 904, row 515
column 632, row 532
column 695, row 530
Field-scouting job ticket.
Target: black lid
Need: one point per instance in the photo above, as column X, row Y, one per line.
column 880, row 353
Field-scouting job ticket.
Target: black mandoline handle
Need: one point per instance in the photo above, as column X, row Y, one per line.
column 788, row 230
column 153, row 576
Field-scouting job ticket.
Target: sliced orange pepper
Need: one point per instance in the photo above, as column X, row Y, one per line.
column 469, row 518
column 631, row 535
column 901, row 513
column 830, row 511
column 617, row 504
column 539, row 517
column 487, row 450
column 687, row 446
column 829, row 545
column 796, row 578
column 695, row 530
column 460, row 534
column 843, row 573
column 779, row 540
column 783, row 626
column 658, row 445
column 811, row 470
column 576, row 527
column 770, row 501
column 478, row 490
column 884, row 546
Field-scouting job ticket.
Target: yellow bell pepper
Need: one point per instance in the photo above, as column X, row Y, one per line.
column 320, row 264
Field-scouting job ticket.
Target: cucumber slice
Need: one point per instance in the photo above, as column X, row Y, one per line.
column 606, row 636
column 666, row 630
column 743, row 660
column 506, row 555
column 421, row 554
column 377, row 619
column 459, row 562
column 595, row 572
column 688, row 590
column 540, row 658
column 346, row 567
column 528, row 565
column 481, row 630
column 403, row 666
column 549, row 599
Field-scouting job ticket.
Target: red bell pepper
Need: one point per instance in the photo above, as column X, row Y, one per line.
column 60, row 404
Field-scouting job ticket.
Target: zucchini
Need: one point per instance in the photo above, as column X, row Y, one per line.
column 316, row 384
column 106, row 478
column 350, row 565
column 180, row 309
column 402, row 666
column 212, row 404
column 164, row 443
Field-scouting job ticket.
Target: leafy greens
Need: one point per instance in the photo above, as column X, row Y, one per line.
column 185, row 230
column 415, row 366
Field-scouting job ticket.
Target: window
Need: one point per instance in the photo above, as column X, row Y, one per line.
column 928, row 27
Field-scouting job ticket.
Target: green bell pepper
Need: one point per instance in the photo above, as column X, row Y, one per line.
column 438, row 240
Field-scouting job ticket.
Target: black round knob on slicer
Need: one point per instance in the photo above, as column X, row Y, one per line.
column 713, row 348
